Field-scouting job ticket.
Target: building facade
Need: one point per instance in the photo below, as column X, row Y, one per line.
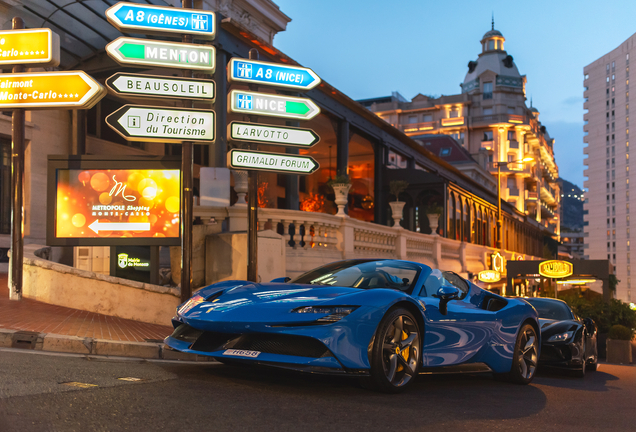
column 490, row 119
column 606, row 135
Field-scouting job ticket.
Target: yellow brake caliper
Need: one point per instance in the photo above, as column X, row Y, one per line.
column 404, row 353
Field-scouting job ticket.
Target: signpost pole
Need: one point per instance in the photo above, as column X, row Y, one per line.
column 252, row 208
column 186, row 195
column 17, row 179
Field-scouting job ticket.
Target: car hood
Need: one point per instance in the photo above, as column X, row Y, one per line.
column 268, row 302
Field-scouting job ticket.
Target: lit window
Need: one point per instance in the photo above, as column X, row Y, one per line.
column 397, row 161
column 446, row 151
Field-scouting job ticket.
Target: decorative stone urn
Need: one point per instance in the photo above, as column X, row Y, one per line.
column 240, row 186
column 341, row 190
column 433, row 221
column 397, row 208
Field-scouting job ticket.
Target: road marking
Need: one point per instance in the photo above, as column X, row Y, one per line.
column 79, row 384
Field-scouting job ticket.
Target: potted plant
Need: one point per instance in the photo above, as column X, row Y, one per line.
column 340, row 185
column 433, row 212
column 396, row 187
column 619, row 346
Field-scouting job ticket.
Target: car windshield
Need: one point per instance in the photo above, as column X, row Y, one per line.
column 551, row 309
column 364, row 275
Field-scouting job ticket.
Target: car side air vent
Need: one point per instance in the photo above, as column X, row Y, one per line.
column 494, row 304
column 215, row 296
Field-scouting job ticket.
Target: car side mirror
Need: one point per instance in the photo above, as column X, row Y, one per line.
column 445, row 294
column 281, row 280
column 589, row 325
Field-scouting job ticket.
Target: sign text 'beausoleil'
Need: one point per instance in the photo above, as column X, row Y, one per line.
column 137, row 85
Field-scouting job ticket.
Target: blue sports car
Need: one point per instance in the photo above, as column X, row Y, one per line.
column 382, row 320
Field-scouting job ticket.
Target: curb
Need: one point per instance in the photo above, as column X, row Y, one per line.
column 90, row 346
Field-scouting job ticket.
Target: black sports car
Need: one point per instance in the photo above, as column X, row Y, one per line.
column 567, row 341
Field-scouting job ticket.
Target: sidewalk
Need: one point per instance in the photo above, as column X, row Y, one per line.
column 30, row 315
column 35, row 325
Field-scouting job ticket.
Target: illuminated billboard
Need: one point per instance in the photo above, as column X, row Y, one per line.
column 101, row 203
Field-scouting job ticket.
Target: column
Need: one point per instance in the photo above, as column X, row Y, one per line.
column 380, row 199
column 342, row 147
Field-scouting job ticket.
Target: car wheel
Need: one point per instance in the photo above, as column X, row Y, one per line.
column 524, row 361
column 396, row 352
column 580, row 373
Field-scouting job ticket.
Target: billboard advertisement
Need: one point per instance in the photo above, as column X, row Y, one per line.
column 114, row 205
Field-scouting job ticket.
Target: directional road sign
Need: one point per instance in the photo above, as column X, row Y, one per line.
column 165, row 125
column 150, row 19
column 145, row 52
column 135, row 85
column 56, row 90
column 254, row 103
column 34, row 46
column 276, row 135
column 274, row 74
column 98, row 226
column 275, row 162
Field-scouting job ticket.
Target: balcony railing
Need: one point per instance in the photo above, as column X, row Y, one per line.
column 313, row 239
column 532, row 195
column 453, row 121
column 413, row 128
column 499, row 118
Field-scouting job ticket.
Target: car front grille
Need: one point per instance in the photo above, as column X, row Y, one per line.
column 282, row 344
column 292, row 345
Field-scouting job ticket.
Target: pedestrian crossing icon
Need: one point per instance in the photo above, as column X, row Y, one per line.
column 199, row 22
column 244, row 70
column 244, row 101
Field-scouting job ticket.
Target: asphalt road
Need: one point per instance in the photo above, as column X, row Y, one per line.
column 195, row 397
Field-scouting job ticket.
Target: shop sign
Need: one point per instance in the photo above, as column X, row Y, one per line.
column 164, row 125
column 33, row 46
column 136, row 85
column 489, row 276
column 144, row 52
column 150, row 19
column 253, row 103
column 55, row 90
column 275, row 162
column 273, row 74
column 555, row 269
column 276, row 135
column 498, row 263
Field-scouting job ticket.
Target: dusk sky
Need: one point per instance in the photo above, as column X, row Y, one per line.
column 369, row 48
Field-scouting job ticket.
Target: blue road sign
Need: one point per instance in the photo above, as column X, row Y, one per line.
column 149, row 19
column 274, row 74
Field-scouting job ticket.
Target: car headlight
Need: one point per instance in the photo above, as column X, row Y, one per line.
column 561, row 337
column 333, row 313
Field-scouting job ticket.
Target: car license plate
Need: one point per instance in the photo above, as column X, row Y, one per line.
column 242, row 353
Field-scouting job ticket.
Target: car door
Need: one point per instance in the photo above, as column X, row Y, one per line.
column 456, row 337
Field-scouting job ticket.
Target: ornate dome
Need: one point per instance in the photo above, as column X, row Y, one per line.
column 491, row 33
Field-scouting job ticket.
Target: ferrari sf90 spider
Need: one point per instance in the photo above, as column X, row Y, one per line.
column 381, row 320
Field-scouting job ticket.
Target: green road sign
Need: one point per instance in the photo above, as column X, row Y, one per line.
column 136, row 85
column 254, row 103
column 276, row 135
column 274, row 162
column 165, row 125
column 144, row 52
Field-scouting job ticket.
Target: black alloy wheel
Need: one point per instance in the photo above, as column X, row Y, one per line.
column 396, row 352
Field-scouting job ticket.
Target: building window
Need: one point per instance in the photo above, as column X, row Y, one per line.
column 511, row 110
column 488, row 90
column 487, row 111
column 487, row 136
column 428, row 118
column 412, row 119
column 397, row 161
column 446, row 151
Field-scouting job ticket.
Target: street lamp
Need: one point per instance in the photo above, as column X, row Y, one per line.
column 499, row 222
